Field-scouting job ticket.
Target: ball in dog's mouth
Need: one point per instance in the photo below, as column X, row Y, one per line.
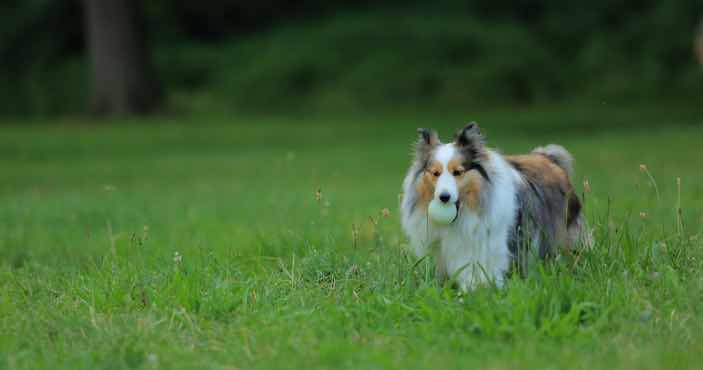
column 442, row 213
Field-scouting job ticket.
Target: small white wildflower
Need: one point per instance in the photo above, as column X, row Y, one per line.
column 152, row 359
column 586, row 186
column 318, row 195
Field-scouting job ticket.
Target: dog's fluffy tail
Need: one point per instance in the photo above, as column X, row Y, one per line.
column 559, row 155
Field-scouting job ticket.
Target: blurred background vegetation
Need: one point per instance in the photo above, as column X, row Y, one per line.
column 277, row 55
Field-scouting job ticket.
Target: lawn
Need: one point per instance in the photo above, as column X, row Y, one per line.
column 227, row 242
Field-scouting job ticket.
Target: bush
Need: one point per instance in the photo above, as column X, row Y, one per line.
column 381, row 60
column 41, row 69
column 454, row 54
column 386, row 60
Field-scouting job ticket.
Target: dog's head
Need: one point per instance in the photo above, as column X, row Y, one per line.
column 453, row 173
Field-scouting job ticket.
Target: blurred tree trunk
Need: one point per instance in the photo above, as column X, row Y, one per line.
column 122, row 77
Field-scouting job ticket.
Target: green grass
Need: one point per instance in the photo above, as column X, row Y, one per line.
column 92, row 216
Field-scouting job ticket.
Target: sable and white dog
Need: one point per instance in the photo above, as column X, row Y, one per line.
column 508, row 207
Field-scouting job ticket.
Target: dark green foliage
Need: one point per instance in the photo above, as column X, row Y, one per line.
column 380, row 60
column 385, row 60
column 341, row 54
column 40, row 71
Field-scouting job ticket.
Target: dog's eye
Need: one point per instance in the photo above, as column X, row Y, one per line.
column 435, row 173
column 457, row 173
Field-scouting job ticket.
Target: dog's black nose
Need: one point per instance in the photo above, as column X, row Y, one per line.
column 444, row 197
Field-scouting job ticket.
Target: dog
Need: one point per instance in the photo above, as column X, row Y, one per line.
column 509, row 208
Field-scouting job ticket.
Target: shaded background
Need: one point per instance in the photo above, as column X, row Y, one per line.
column 275, row 55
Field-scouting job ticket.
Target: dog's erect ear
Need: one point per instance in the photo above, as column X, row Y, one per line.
column 427, row 139
column 469, row 137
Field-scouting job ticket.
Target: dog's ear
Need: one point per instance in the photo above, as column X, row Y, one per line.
column 426, row 140
column 427, row 137
column 469, row 138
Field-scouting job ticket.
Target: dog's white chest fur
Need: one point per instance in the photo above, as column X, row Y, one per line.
column 475, row 249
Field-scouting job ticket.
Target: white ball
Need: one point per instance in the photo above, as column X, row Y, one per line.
column 441, row 213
